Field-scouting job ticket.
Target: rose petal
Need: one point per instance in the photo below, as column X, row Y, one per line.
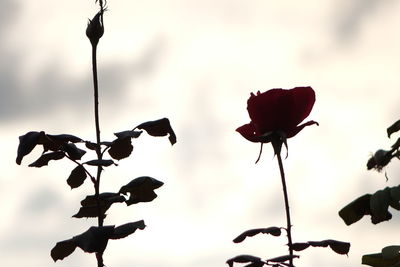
column 299, row 128
column 248, row 132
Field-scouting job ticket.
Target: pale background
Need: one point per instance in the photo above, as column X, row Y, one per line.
column 196, row 63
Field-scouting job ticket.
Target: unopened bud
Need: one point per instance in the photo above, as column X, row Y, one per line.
column 95, row 28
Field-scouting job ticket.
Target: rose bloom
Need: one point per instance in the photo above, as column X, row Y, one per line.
column 278, row 111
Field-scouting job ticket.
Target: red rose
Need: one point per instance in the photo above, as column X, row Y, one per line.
column 277, row 111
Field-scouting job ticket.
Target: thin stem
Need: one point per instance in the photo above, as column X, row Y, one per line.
column 99, row 256
column 285, row 194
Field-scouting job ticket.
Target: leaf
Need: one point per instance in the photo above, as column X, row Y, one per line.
column 355, row 210
column 244, row 259
column 393, row 128
column 391, row 252
column 100, row 162
column 300, row 246
column 27, row 143
column 89, row 208
column 282, row 258
column 77, row 177
column 275, row 231
column 141, row 189
column 389, row 257
column 130, row 134
column 95, row 239
column 73, row 151
column 121, row 148
column 124, row 230
column 91, row 145
column 44, row 159
column 161, row 127
column 65, row 138
column 379, row 204
column 337, row 246
column 63, row 249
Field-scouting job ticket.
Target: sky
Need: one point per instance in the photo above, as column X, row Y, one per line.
column 196, row 63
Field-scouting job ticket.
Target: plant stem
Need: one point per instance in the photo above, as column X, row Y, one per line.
column 285, row 194
column 99, row 256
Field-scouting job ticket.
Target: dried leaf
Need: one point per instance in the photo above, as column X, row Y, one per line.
column 63, row 249
column 130, row 134
column 337, row 246
column 275, row 231
column 27, row 143
column 44, row 159
column 124, row 230
column 77, row 177
column 300, row 246
column 161, row 127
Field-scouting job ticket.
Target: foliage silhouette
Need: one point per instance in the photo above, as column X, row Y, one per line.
column 65, row 146
column 276, row 116
column 377, row 204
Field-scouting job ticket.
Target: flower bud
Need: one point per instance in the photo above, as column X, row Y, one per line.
column 95, row 28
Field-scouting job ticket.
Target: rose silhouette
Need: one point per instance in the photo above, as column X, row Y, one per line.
column 277, row 112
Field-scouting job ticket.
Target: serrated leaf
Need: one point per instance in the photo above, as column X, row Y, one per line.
column 141, row 189
column 44, row 159
column 73, row 151
column 275, row 231
column 300, row 246
column 121, row 148
column 124, row 230
column 130, row 134
column 393, row 128
column 63, row 249
column 100, row 162
column 27, row 143
column 243, row 259
column 95, row 239
column 356, row 209
column 77, row 177
column 161, row 127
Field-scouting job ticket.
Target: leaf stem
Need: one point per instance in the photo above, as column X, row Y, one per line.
column 285, row 194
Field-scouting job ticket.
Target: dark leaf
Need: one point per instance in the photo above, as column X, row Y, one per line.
column 45, row 158
column 300, row 246
column 243, row 259
column 390, row 257
column 100, row 162
column 282, row 258
column 141, row 189
column 121, row 148
column 161, row 127
column 65, row 138
column 337, row 246
column 355, row 210
column 90, row 209
column 255, row 264
column 73, row 151
column 397, row 144
column 95, row 239
column 63, row 249
column 77, row 177
column 393, row 128
column 91, row 145
column 379, row 204
column 27, row 143
column 127, row 229
column 130, row 134
column 275, row 231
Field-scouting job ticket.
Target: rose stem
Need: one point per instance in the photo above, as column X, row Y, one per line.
column 285, row 194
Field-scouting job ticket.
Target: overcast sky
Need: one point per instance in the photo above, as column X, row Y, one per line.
column 196, row 63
